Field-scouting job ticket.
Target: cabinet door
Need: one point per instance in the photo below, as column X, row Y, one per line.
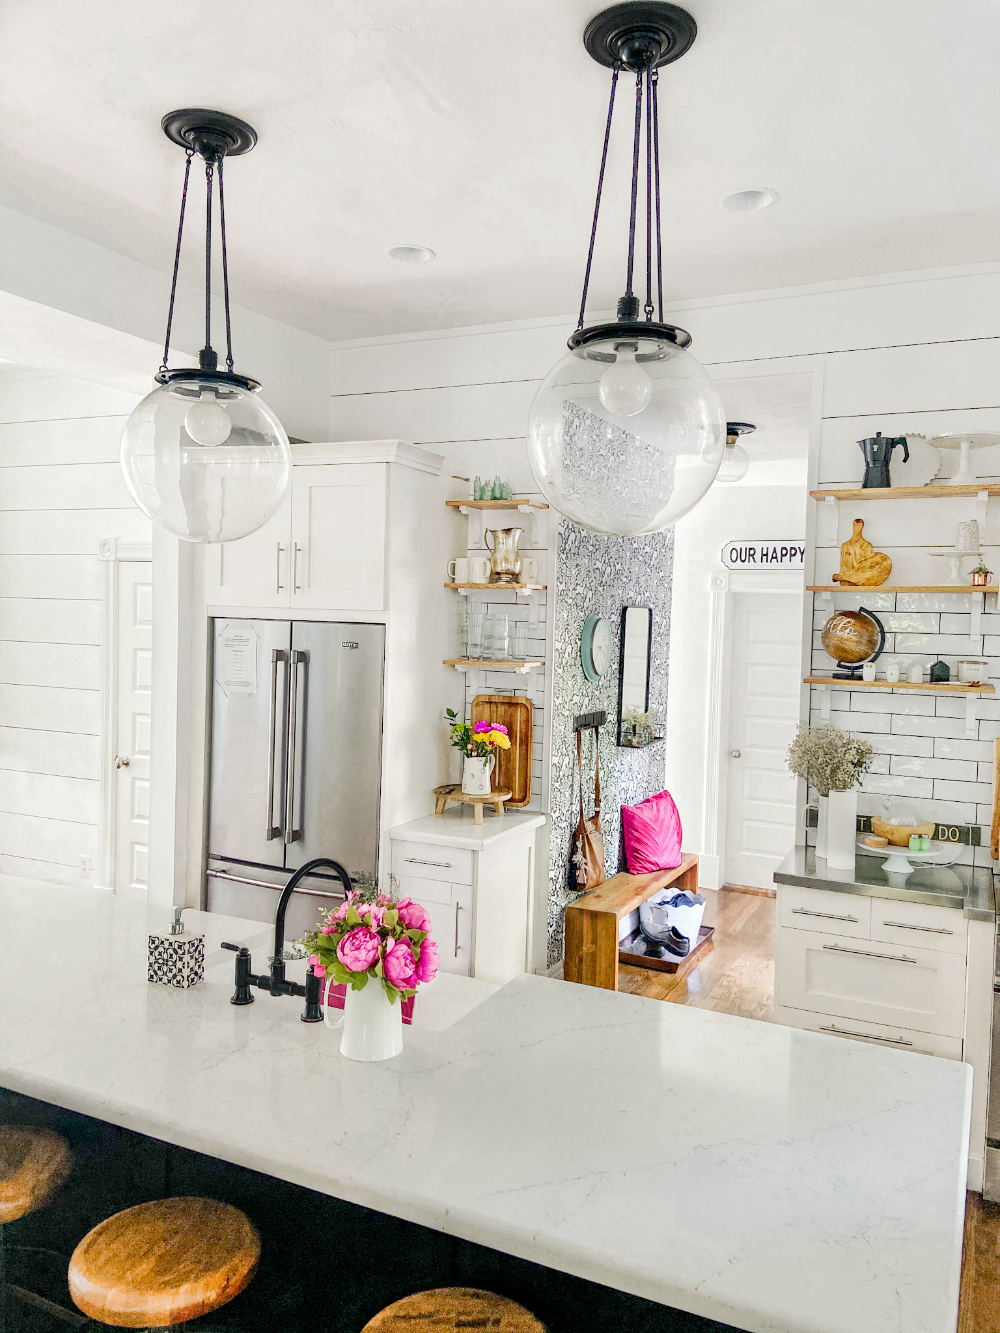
column 896, row 985
column 254, row 571
column 338, row 536
column 877, row 1034
column 449, row 907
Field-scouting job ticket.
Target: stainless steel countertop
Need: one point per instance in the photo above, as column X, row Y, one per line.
column 961, row 886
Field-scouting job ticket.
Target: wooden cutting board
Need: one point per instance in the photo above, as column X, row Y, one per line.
column 513, row 768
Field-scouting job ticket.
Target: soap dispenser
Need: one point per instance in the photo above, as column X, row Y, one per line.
column 176, row 958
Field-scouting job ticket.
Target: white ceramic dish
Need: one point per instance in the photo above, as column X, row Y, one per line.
column 899, row 860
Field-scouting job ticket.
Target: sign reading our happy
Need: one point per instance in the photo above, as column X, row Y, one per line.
column 782, row 554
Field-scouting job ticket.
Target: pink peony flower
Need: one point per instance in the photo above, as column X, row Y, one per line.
column 412, row 915
column 427, row 965
column 398, row 964
column 364, row 909
column 358, row 950
column 316, row 965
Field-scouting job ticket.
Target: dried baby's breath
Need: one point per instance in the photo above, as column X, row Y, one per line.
column 828, row 758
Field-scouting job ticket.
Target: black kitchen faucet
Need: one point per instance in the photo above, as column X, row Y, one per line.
column 276, row 982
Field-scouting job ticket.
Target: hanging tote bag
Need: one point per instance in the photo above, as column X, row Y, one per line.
column 588, row 841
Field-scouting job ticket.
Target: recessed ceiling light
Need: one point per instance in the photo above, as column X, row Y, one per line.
column 749, row 201
column 410, row 254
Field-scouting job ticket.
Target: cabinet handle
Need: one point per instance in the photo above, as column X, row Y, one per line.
column 277, row 567
column 416, row 861
column 892, row 957
column 930, row 930
column 827, row 916
column 458, row 908
column 277, row 655
column 296, row 549
column 868, row 1036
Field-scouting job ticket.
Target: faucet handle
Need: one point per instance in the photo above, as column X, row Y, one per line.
column 242, row 994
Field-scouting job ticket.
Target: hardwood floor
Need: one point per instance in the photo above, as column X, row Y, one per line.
column 737, row 977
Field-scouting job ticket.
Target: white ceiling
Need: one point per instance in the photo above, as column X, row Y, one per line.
column 474, row 127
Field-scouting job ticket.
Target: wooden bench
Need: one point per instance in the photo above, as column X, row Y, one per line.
column 592, row 921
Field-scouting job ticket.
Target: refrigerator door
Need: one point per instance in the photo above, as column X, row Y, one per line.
column 335, row 745
column 249, row 706
column 252, row 892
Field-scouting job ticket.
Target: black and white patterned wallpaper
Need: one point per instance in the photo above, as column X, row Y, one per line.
column 596, row 574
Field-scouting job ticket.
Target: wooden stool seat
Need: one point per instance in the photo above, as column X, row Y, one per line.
column 448, row 1308
column 34, row 1162
column 163, row 1263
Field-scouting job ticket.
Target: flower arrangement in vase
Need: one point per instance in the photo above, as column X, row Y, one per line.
column 478, row 742
column 380, row 948
column 834, row 762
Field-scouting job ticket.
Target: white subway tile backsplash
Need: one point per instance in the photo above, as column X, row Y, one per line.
column 985, row 773
column 955, row 623
column 960, row 770
column 921, row 746
column 929, row 726
column 931, row 601
column 962, row 791
column 886, row 701
column 890, row 784
column 856, row 722
column 934, row 645
column 947, row 748
column 913, row 622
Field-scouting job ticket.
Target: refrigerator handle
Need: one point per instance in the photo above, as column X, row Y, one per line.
column 292, row 834
column 277, row 655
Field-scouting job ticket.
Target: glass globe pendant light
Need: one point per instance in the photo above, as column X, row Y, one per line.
column 627, row 432
column 735, row 460
column 203, row 455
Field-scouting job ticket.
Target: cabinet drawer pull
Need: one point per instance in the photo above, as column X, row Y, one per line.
column 892, row 957
column 416, row 861
column 296, row 551
column 277, row 568
column 868, row 1036
column 827, row 916
column 458, row 908
column 930, row 930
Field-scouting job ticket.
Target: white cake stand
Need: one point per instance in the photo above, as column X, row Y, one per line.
column 955, row 577
column 898, row 859
column 965, row 442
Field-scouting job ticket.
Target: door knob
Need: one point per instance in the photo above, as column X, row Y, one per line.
column 121, row 762
column 737, row 754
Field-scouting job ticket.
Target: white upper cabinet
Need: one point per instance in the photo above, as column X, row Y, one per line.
column 338, row 535
column 254, row 571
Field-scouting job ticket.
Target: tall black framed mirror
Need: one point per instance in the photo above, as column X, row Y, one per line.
column 634, row 724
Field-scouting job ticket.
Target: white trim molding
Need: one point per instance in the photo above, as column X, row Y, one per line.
column 111, row 552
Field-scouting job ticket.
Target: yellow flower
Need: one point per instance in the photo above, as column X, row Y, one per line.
column 498, row 738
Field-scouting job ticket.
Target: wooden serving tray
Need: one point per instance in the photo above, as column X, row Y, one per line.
column 513, row 770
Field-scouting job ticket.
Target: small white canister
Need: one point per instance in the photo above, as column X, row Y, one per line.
column 915, row 673
column 973, row 670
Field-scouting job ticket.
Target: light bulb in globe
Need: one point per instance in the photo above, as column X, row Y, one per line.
column 205, row 457
column 735, row 464
column 207, row 421
column 625, row 387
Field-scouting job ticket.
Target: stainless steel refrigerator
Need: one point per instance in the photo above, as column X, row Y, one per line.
column 296, row 749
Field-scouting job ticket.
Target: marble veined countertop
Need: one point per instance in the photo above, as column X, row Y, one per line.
column 776, row 1180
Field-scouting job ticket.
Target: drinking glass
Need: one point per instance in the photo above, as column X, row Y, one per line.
column 475, row 624
column 500, row 637
column 520, row 640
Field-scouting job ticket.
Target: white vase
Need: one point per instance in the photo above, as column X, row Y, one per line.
column 842, row 829
column 372, row 1025
column 476, row 775
column 823, row 805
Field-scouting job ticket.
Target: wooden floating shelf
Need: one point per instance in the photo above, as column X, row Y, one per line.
column 491, row 664
column 513, row 503
column 903, row 587
column 509, row 587
column 905, row 492
column 951, row 687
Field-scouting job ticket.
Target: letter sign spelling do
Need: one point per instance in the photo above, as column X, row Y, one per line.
column 764, row 555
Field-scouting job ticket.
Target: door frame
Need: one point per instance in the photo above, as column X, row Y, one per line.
column 724, row 587
column 111, row 552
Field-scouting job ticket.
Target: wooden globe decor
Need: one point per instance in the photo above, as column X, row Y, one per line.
column 852, row 638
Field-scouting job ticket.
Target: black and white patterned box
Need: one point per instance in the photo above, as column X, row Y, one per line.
column 176, row 960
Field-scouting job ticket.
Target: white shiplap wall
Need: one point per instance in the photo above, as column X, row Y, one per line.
column 61, row 493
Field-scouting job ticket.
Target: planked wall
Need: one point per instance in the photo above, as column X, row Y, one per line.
column 61, row 493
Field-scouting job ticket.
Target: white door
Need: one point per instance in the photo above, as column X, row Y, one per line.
column 764, row 708
column 135, row 661
column 338, row 536
column 256, row 570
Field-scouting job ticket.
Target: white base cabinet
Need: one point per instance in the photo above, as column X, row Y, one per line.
column 476, row 883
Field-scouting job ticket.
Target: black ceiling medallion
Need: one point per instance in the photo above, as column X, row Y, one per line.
column 639, row 35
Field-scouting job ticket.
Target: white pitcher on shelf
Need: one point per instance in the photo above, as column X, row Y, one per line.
column 476, row 774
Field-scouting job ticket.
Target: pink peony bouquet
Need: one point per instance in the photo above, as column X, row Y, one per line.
column 378, row 937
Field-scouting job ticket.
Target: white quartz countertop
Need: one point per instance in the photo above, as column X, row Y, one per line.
column 455, row 828
column 776, row 1180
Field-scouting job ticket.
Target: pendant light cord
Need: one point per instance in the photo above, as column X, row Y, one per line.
column 177, row 258
column 648, row 308
column 635, row 182
column 597, row 202
column 225, row 271
column 654, row 79
column 209, row 173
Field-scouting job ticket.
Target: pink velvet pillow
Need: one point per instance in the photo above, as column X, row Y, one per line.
column 652, row 833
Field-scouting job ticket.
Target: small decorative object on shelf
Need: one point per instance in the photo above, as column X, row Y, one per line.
column 878, row 451
column 965, row 442
column 477, row 742
column 940, row 672
column 451, row 793
column 380, row 948
column 851, row 638
column 639, row 729
column 967, row 537
column 973, row 670
column 981, row 576
column 915, row 673
column 175, row 957
column 834, row 762
column 861, row 566
column 505, row 563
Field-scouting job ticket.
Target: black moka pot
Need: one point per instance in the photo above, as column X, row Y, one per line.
column 877, row 452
